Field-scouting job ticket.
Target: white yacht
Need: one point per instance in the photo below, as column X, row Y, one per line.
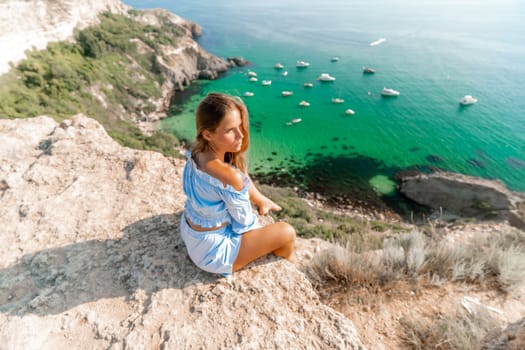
column 326, row 77
column 278, row 66
column 252, row 74
column 266, row 82
column 248, row 94
column 285, row 73
column 308, row 85
column 390, row 92
column 253, row 79
column 350, row 112
column 468, row 100
column 338, row 100
column 287, row 93
column 302, row 64
column 303, row 103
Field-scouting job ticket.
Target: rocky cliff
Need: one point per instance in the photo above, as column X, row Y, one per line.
column 92, row 259
column 27, row 24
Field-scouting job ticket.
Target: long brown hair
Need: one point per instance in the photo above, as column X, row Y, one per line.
column 210, row 112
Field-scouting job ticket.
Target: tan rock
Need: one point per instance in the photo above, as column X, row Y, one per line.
column 92, row 258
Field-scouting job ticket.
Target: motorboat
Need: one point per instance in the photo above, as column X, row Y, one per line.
column 252, row 74
column 377, row 42
column 389, row 92
column 338, row 100
column 253, row 79
column 368, row 70
column 248, row 94
column 326, row 77
column 278, row 66
column 296, row 120
column 302, row 64
column 303, row 103
column 287, row 93
column 266, row 82
column 350, row 112
column 285, row 73
column 468, row 100
column 308, row 85
column 334, row 59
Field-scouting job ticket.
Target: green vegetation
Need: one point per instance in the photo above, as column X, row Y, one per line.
column 311, row 222
column 107, row 73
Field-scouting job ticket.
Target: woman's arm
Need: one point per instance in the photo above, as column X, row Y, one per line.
column 264, row 204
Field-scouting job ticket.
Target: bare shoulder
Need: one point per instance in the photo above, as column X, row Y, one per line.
column 226, row 174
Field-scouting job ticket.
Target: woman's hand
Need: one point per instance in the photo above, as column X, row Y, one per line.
column 266, row 205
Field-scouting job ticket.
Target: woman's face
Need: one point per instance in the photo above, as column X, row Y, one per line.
column 228, row 135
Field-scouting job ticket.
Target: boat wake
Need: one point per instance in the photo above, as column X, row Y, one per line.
column 377, row 42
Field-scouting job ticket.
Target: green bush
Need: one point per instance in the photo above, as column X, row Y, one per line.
column 58, row 81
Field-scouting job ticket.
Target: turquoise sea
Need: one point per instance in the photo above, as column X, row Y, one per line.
column 435, row 52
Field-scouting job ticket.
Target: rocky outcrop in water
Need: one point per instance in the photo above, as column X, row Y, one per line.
column 92, row 258
column 464, row 196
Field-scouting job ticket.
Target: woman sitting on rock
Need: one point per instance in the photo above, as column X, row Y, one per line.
column 221, row 232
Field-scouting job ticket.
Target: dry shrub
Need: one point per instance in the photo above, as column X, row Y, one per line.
column 494, row 260
column 461, row 330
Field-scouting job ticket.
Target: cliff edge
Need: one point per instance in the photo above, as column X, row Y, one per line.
column 91, row 256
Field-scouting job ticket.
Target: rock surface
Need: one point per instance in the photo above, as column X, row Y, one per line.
column 465, row 196
column 91, row 256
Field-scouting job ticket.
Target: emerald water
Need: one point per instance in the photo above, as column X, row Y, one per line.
column 435, row 53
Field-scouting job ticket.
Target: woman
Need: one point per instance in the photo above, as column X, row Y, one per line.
column 219, row 228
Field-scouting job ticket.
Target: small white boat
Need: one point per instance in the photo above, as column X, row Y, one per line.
column 377, row 42
column 368, row 70
column 308, row 85
column 285, row 73
column 468, row 100
column 252, row 74
column 325, row 77
column 338, row 100
column 278, row 66
column 266, row 82
column 389, row 92
column 287, row 93
column 334, row 59
column 303, row 103
column 248, row 94
column 296, row 120
column 302, row 64
column 350, row 112
column 253, row 79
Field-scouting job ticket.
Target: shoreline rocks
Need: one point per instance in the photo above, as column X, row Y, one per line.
column 464, row 195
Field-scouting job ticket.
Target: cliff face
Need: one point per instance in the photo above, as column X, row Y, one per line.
column 27, row 24
column 92, row 258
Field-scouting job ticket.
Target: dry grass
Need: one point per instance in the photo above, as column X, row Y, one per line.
column 496, row 261
column 461, row 330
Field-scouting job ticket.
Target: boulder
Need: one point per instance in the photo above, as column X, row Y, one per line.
column 464, row 195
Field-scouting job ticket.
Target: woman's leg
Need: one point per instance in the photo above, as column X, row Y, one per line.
column 277, row 238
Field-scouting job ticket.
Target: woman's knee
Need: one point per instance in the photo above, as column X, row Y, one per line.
column 287, row 231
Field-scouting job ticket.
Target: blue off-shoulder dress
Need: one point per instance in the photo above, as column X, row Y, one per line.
column 209, row 204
